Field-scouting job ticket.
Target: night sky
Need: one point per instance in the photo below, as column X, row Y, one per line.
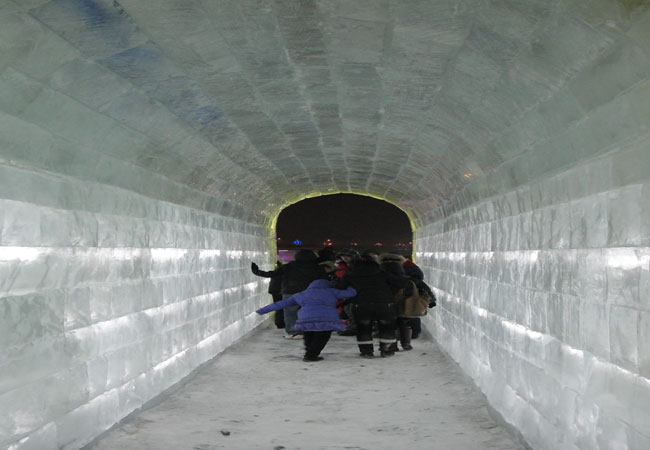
column 343, row 218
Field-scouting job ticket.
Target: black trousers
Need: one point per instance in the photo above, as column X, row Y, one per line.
column 315, row 342
column 278, row 316
column 384, row 313
column 416, row 326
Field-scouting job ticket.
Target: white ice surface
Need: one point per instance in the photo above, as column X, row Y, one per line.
column 543, row 301
column 262, row 392
column 144, row 153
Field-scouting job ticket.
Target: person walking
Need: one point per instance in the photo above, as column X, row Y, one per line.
column 392, row 264
column 317, row 316
column 345, row 259
column 296, row 276
column 414, row 272
column 373, row 302
column 275, row 289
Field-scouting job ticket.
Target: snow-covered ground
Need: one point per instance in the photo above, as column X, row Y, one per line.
column 259, row 394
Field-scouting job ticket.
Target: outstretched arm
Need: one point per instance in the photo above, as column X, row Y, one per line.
column 263, row 273
column 346, row 293
column 277, row 306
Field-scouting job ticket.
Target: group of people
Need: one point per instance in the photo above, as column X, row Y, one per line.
column 354, row 294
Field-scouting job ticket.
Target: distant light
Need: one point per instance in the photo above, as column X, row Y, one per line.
column 297, row 242
column 378, row 244
column 468, row 175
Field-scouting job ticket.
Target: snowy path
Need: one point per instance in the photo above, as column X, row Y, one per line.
column 259, row 394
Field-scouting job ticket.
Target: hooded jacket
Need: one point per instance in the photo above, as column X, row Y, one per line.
column 317, row 311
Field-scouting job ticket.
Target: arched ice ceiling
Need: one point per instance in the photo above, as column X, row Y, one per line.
column 263, row 102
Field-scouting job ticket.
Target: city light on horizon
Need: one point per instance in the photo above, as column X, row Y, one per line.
column 344, row 220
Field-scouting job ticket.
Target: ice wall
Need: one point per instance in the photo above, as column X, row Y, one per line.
column 145, row 149
column 543, row 267
column 107, row 298
column 118, row 276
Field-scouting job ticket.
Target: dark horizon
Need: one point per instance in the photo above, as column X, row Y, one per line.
column 345, row 219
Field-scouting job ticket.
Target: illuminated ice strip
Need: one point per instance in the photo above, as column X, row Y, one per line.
column 595, row 273
column 22, row 254
column 209, row 253
column 137, row 336
column 80, row 425
column 513, row 407
column 34, row 269
column 168, row 254
column 580, row 377
column 29, row 254
column 167, row 372
column 107, row 336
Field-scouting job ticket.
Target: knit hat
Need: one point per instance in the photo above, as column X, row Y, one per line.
column 348, row 252
column 394, row 257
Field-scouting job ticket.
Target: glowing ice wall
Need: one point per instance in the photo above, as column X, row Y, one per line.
column 119, row 272
column 145, row 146
column 108, row 297
column 543, row 267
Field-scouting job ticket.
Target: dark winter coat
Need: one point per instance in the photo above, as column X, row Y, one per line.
column 297, row 274
column 371, row 283
column 397, row 277
column 317, row 311
column 275, row 285
column 415, row 274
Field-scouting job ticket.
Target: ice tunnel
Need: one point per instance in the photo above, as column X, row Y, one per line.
column 146, row 148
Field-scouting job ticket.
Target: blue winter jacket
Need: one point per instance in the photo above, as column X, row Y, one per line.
column 317, row 306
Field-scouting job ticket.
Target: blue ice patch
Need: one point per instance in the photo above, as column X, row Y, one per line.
column 205, row 115
column 144, row 62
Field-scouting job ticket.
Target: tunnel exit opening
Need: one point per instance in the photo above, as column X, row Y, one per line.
column 343, row 220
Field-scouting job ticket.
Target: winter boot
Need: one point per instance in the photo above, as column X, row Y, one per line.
column 405, row 337
column 366, row 350
column 393, row 346
column 347, row 332
column 384, row 349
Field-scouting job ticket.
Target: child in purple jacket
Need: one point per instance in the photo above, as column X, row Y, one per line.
column 317, row 316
